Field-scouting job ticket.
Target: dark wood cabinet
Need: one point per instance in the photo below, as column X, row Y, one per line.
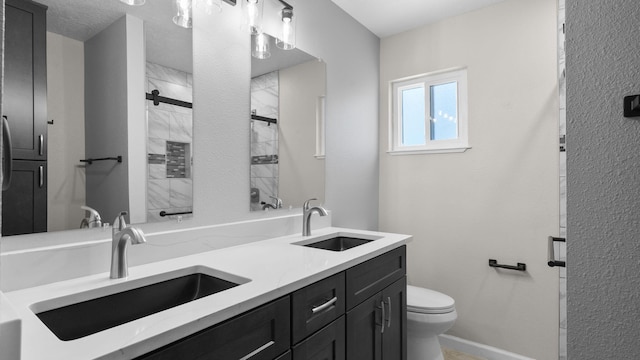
column 285, row 356
column 24, row 205
column 326, row 344
column 260, row 334
column 315, row 322
column 364, row 330
column 394, row 338
column 316, row 305
column 376, row 304
column 24, row 103
column 368, row 278
column 376, row 328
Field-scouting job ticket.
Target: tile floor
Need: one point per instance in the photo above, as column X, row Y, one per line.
column 457, row 355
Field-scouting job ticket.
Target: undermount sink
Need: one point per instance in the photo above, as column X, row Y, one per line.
column 74, row 321
column 337, row 242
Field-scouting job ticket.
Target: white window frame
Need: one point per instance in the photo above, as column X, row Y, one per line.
column 461, row 144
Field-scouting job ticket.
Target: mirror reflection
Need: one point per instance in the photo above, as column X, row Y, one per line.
column 111, row 143
column 288, row 90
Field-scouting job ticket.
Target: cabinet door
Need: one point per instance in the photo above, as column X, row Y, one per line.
column 394, row 339
column 24, row 204
column 326, row 344
column 316, row 305
column 364, row 330
column 260, row 334
column 25, row 78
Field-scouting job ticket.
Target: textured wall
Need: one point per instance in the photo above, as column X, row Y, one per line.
column 603, row 172
column 499, row 199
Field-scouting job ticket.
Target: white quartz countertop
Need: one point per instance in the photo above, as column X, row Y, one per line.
column 266, row 269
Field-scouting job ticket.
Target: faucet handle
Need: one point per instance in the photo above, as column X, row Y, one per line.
column 305, row 207
column 277, row 202
column 119, row 223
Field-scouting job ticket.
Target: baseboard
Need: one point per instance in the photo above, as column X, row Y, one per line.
column 477, row 349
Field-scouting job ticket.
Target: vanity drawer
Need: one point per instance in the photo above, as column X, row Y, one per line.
column 260, row 334
column 370, row 277
column 317, row 305
column 328, row 343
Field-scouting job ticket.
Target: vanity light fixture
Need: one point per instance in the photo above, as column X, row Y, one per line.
column 287, row 39
column 183, row 14
column 133, row 2
column 253, row 15
column 260, row 46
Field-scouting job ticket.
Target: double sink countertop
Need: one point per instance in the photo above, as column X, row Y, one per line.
column 265, row 270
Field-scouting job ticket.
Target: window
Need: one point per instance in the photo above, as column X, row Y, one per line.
column 429, row 113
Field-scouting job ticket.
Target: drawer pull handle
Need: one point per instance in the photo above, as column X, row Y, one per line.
column 325, row 305
column 257, row 351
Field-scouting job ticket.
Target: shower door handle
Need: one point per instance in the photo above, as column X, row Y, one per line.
column 552, row 258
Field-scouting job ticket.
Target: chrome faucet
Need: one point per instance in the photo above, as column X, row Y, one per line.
column 276, row 204
column 306, row 216
column 121, row 233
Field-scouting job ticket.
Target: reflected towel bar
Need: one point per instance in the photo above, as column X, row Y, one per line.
column 518, row 267
column 90, row 161
column 164, row 213
column 157, row 99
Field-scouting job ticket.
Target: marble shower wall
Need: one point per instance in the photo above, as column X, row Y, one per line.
column 561, row 248
column 264, row 140
column 169, row 143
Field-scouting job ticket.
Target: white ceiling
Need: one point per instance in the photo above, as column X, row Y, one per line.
column 389, row 17
column 167, row 43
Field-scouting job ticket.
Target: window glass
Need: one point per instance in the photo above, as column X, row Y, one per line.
column 444, row 111
column 413, row 112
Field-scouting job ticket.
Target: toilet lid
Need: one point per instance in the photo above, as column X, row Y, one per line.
column 427, row 301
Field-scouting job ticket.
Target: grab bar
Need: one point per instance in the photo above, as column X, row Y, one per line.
column 552, row 258
column 7, row 159
column 518, row 267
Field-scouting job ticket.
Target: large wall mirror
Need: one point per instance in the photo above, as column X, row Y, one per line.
column 288, row 90
column 106, row 148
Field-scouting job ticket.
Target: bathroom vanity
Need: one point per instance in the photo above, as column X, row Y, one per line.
column 292, row 301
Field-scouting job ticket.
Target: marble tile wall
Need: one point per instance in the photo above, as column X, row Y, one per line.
column 264, row 139
column 170, row 133
column 561, row 248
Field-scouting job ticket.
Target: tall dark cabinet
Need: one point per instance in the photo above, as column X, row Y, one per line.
column 24, row 203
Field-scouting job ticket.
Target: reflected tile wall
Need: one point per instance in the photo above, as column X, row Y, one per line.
column 264, row 137
column 168, row 123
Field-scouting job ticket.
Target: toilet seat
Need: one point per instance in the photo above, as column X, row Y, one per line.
column 425, row 301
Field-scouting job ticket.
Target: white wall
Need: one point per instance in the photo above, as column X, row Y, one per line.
column 498, row 200
column 603, row 168
column 222, row 109
column 301, row 174
column 65, row 106
column 110, row 102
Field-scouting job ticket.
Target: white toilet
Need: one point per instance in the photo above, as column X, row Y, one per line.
column 429, row 314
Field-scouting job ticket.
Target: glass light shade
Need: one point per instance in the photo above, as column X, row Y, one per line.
column 287, row 38
column 253, row 10
column 183, row 17
column 133, row 2
column 260, row 46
